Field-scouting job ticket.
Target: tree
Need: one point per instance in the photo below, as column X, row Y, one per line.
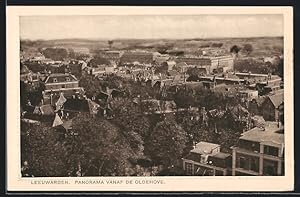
column 166, row 143
column 248, row 48
column 55, row 53
column 219, row 45
column 101, row 147
column 195, row 72
column 163, row 69
column 184, row 97
column 110, row 43
column 91, row 85
column 98, row 61
column 235, row 49
column 72, row 54
column 251, row 65
column 134, row 125
column 43, row 152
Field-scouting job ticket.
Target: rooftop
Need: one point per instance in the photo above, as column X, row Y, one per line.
column 269, row 135
column 221, row 155
column 204, row 148
column 276, row 99
column 61, row 77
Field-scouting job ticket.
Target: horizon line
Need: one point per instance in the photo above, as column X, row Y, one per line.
column 195, row 38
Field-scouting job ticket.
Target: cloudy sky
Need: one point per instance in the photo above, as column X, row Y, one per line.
column 168, row 26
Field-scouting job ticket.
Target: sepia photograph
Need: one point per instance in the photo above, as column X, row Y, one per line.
column 193, row 95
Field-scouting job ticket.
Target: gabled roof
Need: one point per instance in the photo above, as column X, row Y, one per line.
column 93, row 107
column 276, row 99
column 47, row 110
column 61, row 100
column 260, row 100
column 57, row 121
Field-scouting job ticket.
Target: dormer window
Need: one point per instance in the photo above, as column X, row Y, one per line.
column 54, row 80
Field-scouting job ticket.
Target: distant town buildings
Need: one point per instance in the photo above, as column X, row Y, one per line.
column 210, row 64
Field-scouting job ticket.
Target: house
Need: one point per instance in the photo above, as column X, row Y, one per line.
column 111, row 55
column 44, row 110
column 254, row 106
column 106, row 96
column 260, row 151
column 81, row 50
column 248, row 94
column 60, row 81
column 160, row 58
column 153, row 106
column 272, row 107
column 183, row 67
column 210, row 63
column 169, row 64
column 54, row 84
column 206, row 159
column 101, row 70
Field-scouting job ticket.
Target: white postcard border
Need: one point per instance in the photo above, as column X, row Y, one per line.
column 185, row 183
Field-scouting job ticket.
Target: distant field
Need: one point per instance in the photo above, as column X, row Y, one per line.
column 262, row 46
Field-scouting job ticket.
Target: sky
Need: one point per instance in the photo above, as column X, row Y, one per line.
column 150, row 27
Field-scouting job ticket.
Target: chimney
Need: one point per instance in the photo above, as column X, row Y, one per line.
column 51, row 99
column 278, row 123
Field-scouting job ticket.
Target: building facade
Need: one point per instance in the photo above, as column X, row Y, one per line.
column 60, row 81
column 206, row 159
column 211, row 64
column 260, row 152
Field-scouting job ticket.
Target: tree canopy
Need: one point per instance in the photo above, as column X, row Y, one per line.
column 167, row 142
column 235, row 49
column 248, row 48
column 94, row 147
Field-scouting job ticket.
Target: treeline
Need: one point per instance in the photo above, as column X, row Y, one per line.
column 255, row 66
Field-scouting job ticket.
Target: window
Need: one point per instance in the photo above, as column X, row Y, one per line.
column 242, row 162
column 68, row 79
column 188, row 168
column 54, row 80
column 270, row 150
column 254, row 164
column 270, row 167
